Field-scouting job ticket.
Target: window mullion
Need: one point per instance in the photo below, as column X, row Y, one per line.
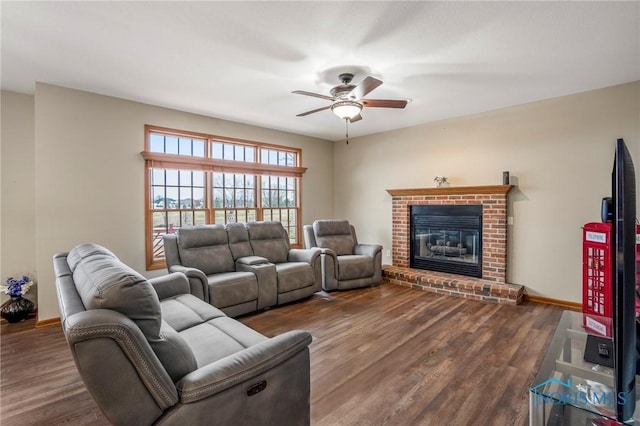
column 258, row 185
column 208, row 191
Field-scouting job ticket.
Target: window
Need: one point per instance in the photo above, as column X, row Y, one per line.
column 234, row 197
column 279, row 199
column 195, row 179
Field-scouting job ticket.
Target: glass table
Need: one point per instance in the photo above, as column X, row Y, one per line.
column 569, row 390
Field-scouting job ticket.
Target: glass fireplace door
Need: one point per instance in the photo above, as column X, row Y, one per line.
column 447, row 239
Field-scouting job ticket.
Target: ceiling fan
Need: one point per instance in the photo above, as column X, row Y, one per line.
column 348, row 99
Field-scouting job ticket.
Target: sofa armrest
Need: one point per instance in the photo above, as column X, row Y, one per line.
column 328, row 252
column 313, row 258
column 171, row 285
column 241, row 366
column 112, row 341
column 304, row 255
column 252, row 260
column 367, row 249
column 329, row 268
column 198, row 281
column 267, row 277
column 375, row 252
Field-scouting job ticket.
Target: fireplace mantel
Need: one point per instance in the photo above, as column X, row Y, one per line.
column 451, row 190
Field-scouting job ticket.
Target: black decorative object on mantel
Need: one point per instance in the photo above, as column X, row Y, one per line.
column 16, row 309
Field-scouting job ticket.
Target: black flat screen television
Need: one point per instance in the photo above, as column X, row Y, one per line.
column 623, row 234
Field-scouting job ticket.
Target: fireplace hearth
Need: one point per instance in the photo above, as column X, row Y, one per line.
column 447, row 238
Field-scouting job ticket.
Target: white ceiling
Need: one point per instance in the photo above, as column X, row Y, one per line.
column 241, row 60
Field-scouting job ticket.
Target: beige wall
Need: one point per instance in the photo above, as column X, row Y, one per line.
column 17, row 195
column 90, row 175
column 560, row 152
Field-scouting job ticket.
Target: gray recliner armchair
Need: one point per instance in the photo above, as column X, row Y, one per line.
column 151, row 352
column 346, row 264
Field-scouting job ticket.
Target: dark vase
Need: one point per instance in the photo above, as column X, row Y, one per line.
column 16, row 309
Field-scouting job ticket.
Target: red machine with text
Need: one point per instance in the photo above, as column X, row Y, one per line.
column 597, row 277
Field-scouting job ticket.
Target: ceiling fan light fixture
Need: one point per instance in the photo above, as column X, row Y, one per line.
column 346, row 109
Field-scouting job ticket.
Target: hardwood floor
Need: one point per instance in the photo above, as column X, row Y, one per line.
column 388, row 355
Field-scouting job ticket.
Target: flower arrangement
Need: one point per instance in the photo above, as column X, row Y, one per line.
column 441, row 181
column 15, row 287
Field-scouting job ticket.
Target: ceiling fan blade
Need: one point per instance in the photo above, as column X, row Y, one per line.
column 383, row 103
column 317, row 95
column 364, row 87
column 356, row 118
column 312, row 111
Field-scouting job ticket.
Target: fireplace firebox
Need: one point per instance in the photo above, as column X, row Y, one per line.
column 447, row 238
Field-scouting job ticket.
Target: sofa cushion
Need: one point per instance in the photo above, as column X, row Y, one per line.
column 185, row 310
column 269, row 240
column 232, row 288
column 103, row 282
column 201, row 236
column 219, row 338
column 239, row 240
column 173, row 352
column 335, row 235
column 355, row 266
column 205, row 247
column 294, row 275
column 85, row 250
column 207, row 331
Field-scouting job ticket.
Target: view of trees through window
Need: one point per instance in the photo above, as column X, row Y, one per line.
column 217, row 181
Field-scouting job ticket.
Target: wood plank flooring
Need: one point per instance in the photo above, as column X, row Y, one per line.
column 388, row 355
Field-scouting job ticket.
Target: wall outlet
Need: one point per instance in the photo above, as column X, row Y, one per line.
column 387, row 253
column 510, row 220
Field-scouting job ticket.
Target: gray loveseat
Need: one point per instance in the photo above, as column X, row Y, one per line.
column 242, row 268
column 346, row 264
column 151, row 352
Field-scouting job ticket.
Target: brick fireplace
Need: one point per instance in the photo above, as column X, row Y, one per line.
column 492, row 286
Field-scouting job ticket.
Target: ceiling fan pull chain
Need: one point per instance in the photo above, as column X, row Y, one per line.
column 346, row 129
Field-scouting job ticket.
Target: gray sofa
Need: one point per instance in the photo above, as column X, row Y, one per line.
column 346, row 264
column 151, row 352
column 242, row 268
